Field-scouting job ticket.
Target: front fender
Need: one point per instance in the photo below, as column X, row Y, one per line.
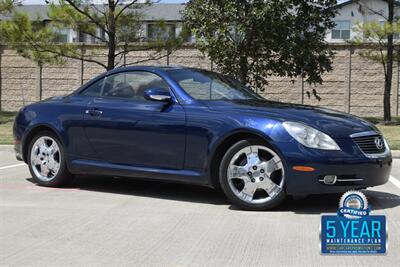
column 32, row 130
column 57, row 117
column 270, row 131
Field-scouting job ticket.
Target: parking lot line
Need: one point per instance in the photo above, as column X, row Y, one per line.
column 394, row 181
column 12, row 166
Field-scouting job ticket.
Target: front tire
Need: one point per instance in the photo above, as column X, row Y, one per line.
column 46, row 160
column 252, row 175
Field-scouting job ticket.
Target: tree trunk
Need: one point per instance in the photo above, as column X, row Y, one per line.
column 389, row 67
column 111, row 35
column 243, row 69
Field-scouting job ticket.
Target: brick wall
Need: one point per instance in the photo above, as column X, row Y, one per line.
column 355, row 85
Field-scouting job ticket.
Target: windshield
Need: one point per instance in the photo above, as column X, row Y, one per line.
column 207, row 85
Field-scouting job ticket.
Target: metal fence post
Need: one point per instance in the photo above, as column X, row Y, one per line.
column 125, row 49
column 1, row 52
column 168, row 53
column 347, row 91
column 302, row 89
column 39, row 81
column 397, row 89
column 82, row 65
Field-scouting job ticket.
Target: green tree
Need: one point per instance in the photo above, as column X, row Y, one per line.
column 253, row 40
column 6, row 6
column 381, row 34
column 113, row 24
column 28, row 38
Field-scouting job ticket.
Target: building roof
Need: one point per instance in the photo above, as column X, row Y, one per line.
column 156, row 12
column 348, row 2
column 344, row 3
column 167, row 12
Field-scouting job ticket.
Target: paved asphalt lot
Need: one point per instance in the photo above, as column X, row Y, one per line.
column 113, row 222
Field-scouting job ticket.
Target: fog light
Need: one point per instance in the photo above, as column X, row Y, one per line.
column 330, row 179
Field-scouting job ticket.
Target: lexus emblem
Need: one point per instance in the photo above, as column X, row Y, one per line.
column 379, row 142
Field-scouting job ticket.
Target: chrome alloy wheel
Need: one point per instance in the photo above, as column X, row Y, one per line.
column 256, row 174
column 45, row 158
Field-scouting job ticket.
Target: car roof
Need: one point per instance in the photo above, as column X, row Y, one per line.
column 146, row 68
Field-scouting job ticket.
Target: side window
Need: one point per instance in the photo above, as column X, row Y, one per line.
column 198, row 90
column 131, row 85
column 341, row 30
column 94, row 89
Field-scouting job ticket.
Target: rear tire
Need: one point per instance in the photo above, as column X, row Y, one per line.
column 252, row 175
column 46, row 160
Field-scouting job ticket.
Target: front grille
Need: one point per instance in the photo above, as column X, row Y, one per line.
column 371, row 144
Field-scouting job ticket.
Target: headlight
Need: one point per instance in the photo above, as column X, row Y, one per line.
column 309, row 136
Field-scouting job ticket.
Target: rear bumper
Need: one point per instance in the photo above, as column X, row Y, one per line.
column 353, row 169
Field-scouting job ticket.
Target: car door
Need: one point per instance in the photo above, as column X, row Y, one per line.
column 125, row 128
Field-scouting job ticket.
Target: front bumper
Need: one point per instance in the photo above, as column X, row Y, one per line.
column 353, row 169
column 18, row 132
column 18, row 151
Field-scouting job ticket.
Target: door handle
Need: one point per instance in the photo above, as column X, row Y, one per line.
column 93, row 112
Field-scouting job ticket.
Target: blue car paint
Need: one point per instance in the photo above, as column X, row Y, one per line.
column 178, row 141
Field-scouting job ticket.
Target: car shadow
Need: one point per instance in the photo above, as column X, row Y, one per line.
column 148, row 188
column 328, row 203
column 312, row 204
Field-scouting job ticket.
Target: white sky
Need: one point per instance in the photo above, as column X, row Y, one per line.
column 42, row 1
column 164, row 1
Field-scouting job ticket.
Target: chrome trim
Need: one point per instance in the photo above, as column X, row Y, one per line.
column 335, row 179
column 349, row 180
column 45, row 158
column 93, row 112
column 255, row 174
column 343, row 180
column 369, row 133
column 379, row 142
column 160, row 97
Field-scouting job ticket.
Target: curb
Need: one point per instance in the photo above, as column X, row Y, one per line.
column 395, row 153
column 7, row 148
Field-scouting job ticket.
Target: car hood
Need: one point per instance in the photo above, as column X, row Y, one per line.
column 334, row 123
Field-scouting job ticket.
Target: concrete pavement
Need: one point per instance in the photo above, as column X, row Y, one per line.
column 112, row 222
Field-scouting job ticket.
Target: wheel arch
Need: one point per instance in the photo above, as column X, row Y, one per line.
column 32, row 133
column 224, row 144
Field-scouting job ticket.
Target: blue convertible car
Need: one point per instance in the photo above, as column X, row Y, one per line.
column 196, row 126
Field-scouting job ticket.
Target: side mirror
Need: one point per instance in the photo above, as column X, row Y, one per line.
column 157, row 94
